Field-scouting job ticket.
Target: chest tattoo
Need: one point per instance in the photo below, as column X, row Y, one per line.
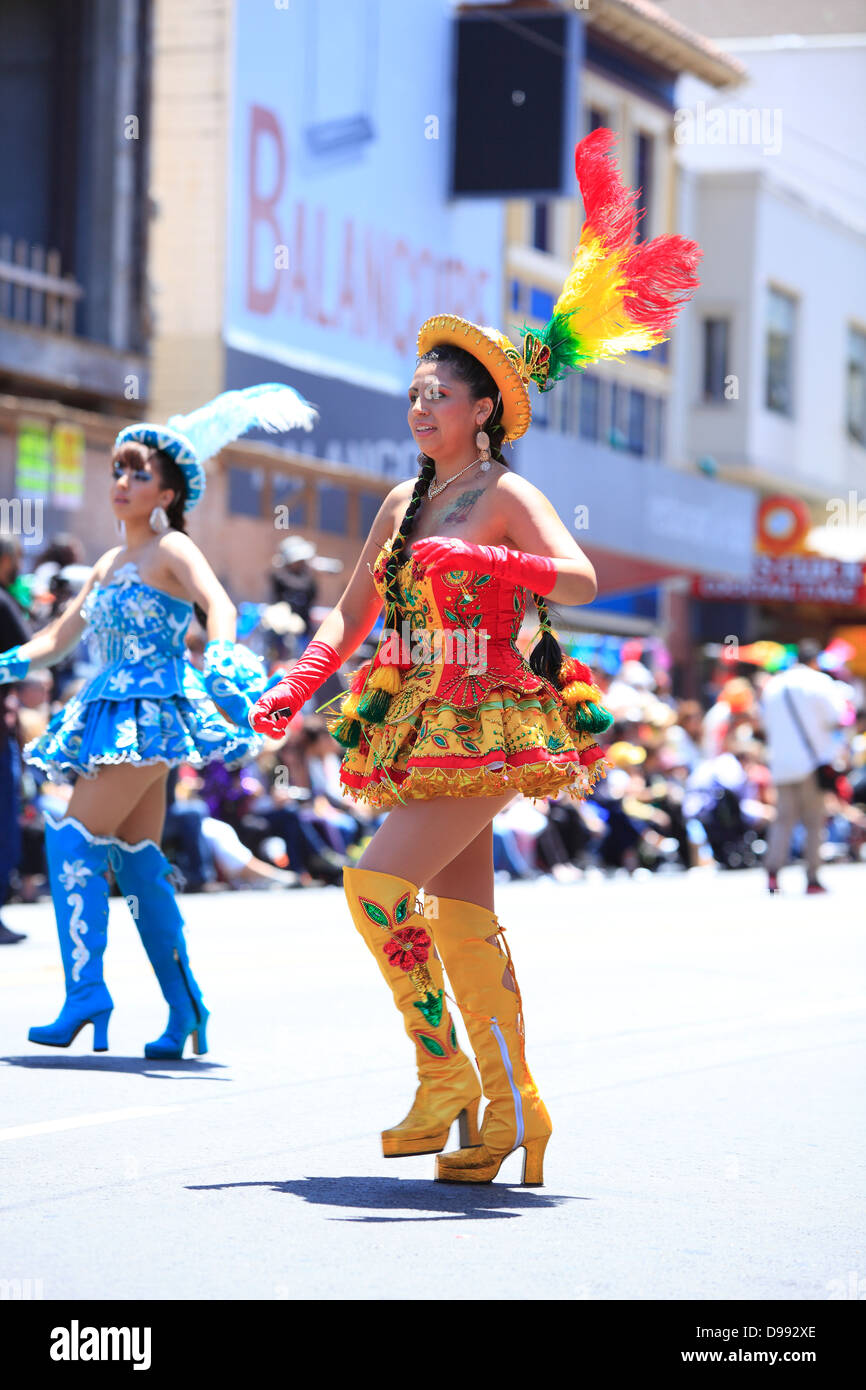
column 462, row 505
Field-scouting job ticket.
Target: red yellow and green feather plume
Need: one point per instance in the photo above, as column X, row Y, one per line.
column 621, row 295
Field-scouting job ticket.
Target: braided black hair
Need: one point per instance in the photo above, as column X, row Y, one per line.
column 393, row 613
column 546, row 657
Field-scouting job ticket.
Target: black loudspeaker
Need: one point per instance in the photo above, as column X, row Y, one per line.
column 511, row 96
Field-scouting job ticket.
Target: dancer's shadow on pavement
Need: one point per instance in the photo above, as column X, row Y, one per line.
column 472, row 1201
column 152, row 1067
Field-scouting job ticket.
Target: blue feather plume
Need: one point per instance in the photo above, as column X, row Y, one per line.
column 273, row 407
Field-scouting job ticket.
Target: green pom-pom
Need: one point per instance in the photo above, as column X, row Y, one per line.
column 373, row 706
column 605, row 719
column 347, row 733
column 591, row 717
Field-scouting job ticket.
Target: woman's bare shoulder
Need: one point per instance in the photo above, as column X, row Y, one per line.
column 105, row 561
column 512, row 485
column 174, row 542
column 394, row 505
column 401, row 492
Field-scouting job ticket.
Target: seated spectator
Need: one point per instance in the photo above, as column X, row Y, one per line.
column 183, row 831
column 621, row 837
column 516, row 828
column 261, row 803
column 237, row 864
column 574, row 835
column 684, row 736
column 718, row 795
column 344, row 822
column 736, row 703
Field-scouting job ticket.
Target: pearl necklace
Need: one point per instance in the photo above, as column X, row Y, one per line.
column 434, row 489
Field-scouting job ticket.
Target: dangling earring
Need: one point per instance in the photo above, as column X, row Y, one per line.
column 482, row 444
column 158, row 519
column 120, row 527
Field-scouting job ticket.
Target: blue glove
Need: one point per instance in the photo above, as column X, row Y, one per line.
column 234, row 678
column 14, row 667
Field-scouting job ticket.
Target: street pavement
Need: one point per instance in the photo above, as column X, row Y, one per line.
column 698, row 1043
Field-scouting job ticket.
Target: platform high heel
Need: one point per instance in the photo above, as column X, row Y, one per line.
column 68, row 1024
column 485, row 987
column 482, row 1165
column 180, row 1027
column 142, row 872
column 383, row 910
column 77, row 864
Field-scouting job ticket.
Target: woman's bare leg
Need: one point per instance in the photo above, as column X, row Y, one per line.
column 469, row 875
column 419, row 839
column 105, row 802
column 147, row 818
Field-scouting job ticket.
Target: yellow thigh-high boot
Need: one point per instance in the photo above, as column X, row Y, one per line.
column 485, row 987
column 383, row 910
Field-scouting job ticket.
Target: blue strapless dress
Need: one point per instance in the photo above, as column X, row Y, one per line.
column 147, row 703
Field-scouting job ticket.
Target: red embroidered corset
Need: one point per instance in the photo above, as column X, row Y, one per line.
column 477, row 617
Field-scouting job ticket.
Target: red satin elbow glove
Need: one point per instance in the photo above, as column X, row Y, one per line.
column 272, row 712
column 538, row 573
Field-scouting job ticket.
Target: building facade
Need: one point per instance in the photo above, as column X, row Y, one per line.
column 259, row 202
column 773, row 382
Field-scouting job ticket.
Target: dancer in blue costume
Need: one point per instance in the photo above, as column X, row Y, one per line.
column 146, row 710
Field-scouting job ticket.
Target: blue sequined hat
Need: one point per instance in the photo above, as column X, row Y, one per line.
column 190, row 440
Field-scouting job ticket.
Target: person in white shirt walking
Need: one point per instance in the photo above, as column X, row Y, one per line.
column 802, row 708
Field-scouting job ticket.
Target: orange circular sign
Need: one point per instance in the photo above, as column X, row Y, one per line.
column 783, row 523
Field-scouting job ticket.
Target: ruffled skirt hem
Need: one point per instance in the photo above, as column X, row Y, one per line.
column 533, row 780
column 57, row 771
column 85, row 736
column 511, row 741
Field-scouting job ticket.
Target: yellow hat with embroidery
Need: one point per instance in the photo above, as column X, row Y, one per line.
column 503, row 360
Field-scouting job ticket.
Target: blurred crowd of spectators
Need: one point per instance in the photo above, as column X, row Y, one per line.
column 690, row 783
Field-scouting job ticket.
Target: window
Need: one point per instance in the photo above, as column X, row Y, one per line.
column 245, row 491
column 657, row 438
column 636, row 421
column 289, row 492
column 540, row 304
column 653, row 426
column 333, row 509
column 781, row 309
column 556, row 407
column 659, row 353
column 541, row 220
column 530, row 301
column 643, row 179
column 589, row 407
column 716, row 336
column 856, row 385
column 568, row 420
column 370, row 505
column 541, row 403
column 595, row 117
column 617, row 437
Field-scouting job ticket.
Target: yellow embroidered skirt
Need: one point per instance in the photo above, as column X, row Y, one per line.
column 510, row 741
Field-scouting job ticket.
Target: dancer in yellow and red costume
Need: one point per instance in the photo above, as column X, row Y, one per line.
column 449, row 720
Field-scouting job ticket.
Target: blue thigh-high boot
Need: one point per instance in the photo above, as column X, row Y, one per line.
column 77, row 862
column 142, row 874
